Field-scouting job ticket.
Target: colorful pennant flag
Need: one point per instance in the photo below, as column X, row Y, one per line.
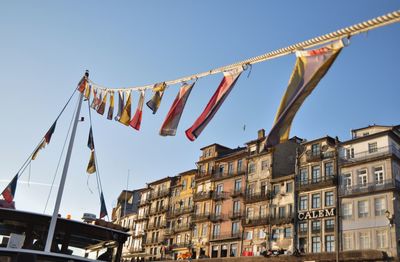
column 9, row 192
column 171, row 122
column 90, row 142
column 102, row 105
column 155, row 101
column 103, row 209
column 95, row 100
column 111, row 108
column 91, row 168
column 45, row 140
column 126, row 113
column 121, row 103
column 310, row 68
column 137, row 118
column 223, row 90
column 82, row 84
column 87, row 92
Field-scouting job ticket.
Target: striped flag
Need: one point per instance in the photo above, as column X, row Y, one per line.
column 121, row 103
column 137, row 118
column 102, row 105
column 155, row 101
column 45, row 140
column 171, row 122
column 126, row 113
column 223, row 90
column 111, row 107
column 9, row 192
column 310, row 68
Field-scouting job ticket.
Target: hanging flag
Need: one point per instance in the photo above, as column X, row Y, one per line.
column 103, row 209
column 95, row 99
column 82, row 84
column 126, row 113
column 91, row 168
column 9, row 192
column 154, row 102
column 171, row 122
column 121, row 103
column 45, row 140
column 111, row 108
column 90, row 142
column 223, row 90
column 102, row 105
column 137, row 118
column 310, row 68
column 87, row 92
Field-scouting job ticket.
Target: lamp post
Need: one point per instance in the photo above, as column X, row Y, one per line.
column 390, row 218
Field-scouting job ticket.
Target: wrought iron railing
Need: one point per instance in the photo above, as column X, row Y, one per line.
column 317, row 182
column 220, row 195
column 225, row 236
column 252, row 197
column 200, row 217
column 369, row 187
column 202, row 195
column 371, row 154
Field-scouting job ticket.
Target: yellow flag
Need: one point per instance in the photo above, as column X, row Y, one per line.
column 91, row 168
column 126, row 113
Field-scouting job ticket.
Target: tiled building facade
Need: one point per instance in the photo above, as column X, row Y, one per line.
column 302, row 195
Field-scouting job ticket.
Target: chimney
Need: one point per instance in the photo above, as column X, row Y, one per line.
column 261, row 133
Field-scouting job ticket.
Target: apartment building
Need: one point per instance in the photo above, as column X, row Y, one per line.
column 138, row 251
column 159, row 197
column 179, row 217
column 316, row 188
column 228, row 182
column 369, row 189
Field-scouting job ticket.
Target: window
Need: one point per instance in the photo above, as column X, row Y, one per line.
column 249, row 212
column 316, row 226
column 362, row 177
column 230, row 168
column 328, row 198
column 379, row 177
column 303, row 227
column 214, row 251
column 372, row 147
column 289, row 187
column 239, row 165
column 275, row 234
column 277, row 189
column 316, row 244
column 287, row 232
column 348, row 242
column 329, row 243
column 381, row 239
column 364, row 241
column 316, row 201
column 252, row 167
column 315, row 149
column 236, row 207
column 261, row 234
column 204, row 230
column 184, row 184
column 264, row 165
column 303, row 176
column 221, row 169
column 263, row 188
column 249, row 235
column 216, row 230
column 347, row 210
column 349, row 153
column 263, row 211
column 234, row 250
column 235, row 227
column 362, row 208
column 218, row 209
column 220, row 188
column 238, row 185
column 328, row 169
column 347, row 180
column 380, row 206
column 303, row 202
column 282, row 212
column 316, row 176
column 195, row 230
column 329, row 224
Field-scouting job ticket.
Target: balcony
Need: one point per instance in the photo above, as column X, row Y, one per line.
column 217, row 217
column 200, row 217
column 159, row 194
column 219, row 237
column 281, row 220
column 303, row 232
column 162, row 224
column 182, row 227
column 222, row 175
column 180, row 211
column 256, row 221
column 202, row 196
column 237, row 193
column 144, row 202
column 316, row 231
column 202, row 175
column 374, row 187
column 329, row 228
column 236, row 215
column 159, row 210
column 369, row 155
column 315, row 183
column 168, row 232
column 135, row 250
column 186, row 244
column 319, row 156
column 252, row 197
column 142, row 217
column 220, row 195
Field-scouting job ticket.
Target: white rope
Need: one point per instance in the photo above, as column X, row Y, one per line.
column 356, row 29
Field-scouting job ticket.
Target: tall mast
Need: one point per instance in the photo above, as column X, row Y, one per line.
column 64, row 174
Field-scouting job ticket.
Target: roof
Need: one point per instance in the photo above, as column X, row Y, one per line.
column 328, row 138
column 374, row 125
column 215, row 144
column 161, row 180
column 389, row 132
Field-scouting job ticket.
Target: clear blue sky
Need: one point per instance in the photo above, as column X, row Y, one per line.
column 46, row 46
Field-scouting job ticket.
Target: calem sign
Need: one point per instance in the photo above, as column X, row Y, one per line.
column 328, row 212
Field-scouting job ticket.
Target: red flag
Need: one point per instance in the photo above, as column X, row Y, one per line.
column 223, row 90
column 9, row 192
column 137, row 118
column 171, row 122
column 82, row 85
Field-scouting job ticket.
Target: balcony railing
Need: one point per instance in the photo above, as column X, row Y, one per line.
column 180, row 211
column 316, row 231
column 136, row 250
column 200, row 217
column 217, row 217
column 237, row 193
column 318, row 182
column 236, row 215
column 182, row 227
column 280, row 220
column 142, row 217
column 371, row 154
column 329, row 229
column 252, row 197
column 202, row 175
column 181, row 245
column 222, row 175
column 202, row 195
column 154, row 211
column 162, row 224
column 256, row 221
column 159, row 194
column 219, row 195
column 310, row 157
column 303, row 232
column 144, row 202
column 389, row 184
column 225, row 236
